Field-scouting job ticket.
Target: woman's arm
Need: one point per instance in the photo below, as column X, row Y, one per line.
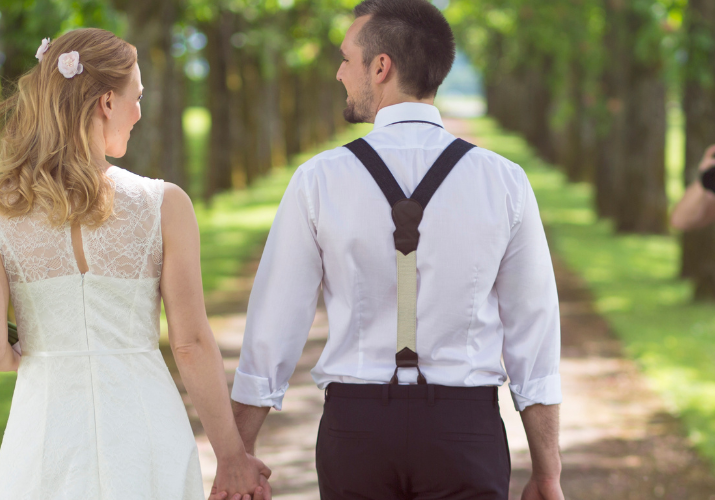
column 195, row 351
column 9, row 358
column 697, row 208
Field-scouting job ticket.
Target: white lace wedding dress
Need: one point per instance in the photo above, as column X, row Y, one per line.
column 95, row 414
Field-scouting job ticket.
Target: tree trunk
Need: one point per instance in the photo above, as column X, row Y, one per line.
column 612, row 151
column 536, row 110
column 250, row 92
column 289, row 96
column 156, row 146
column 572, row 155
column 698, row 256
column 643, row 207
column 218, row 33
column 635, row 94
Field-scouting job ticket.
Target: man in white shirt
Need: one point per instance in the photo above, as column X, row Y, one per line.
column 475, row 285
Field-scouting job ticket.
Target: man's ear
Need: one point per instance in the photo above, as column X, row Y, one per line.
column 106, row 104
column 383, row 65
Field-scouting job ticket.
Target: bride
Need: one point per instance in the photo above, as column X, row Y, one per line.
column 89, row 250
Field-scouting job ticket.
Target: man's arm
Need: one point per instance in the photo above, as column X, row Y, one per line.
column 541, row 423
column 529, row 312
column 249, row 420
column 280, row 311
column 697, row 208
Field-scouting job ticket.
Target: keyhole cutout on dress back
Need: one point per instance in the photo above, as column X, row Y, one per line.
column 79, row 249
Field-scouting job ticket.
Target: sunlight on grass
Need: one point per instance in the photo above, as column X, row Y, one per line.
column 634, row 280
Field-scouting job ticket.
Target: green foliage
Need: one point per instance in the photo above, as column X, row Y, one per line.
column 635, row 281
column 565, row 40
column 699, row 46
column 298, row 32
column 26, row 22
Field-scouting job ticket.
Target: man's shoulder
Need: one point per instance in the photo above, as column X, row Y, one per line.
column 325, row 158
column 493, row 160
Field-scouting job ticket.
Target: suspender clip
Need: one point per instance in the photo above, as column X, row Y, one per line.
column 407, row 358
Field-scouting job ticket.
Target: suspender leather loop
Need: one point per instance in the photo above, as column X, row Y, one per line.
column 407, row 215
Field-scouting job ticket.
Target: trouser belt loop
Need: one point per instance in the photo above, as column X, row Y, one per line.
column 430, row 395
column 327, row 393
column 385, row 394
column 495, row 400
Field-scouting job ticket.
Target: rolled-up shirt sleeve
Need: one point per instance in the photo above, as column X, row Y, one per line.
column 529, row 310
column 282, row 303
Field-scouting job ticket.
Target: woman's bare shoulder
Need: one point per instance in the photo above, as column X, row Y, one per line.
column 176, row 208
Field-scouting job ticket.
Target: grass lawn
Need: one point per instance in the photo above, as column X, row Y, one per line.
column 635, row 282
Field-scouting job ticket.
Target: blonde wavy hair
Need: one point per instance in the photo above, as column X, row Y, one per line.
column 45, row 159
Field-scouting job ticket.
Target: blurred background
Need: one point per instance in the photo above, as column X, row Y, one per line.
column 607, row 104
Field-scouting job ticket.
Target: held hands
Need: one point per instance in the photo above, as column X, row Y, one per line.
column 238, row 479
column 263, row 492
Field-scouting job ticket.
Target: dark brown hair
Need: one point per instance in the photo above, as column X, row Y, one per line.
column 415, row 35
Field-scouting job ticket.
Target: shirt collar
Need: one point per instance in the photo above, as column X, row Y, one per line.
column 407, row 111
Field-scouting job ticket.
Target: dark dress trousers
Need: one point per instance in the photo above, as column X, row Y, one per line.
column 385, row 442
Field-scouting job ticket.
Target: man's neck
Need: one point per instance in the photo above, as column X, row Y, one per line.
column 388, row 100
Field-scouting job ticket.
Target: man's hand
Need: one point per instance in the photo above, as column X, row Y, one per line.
column 541, row 423
column 697, row 207
column 241, row 476
column 263, row 492
column 542, row 490
column 708, row 160
column 222, row 495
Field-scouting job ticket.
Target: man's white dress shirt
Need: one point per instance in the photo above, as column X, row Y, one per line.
column 486, row 287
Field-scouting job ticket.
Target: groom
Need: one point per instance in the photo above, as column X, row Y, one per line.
column 433, row 265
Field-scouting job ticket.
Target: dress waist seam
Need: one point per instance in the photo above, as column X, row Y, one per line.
column 100, row 352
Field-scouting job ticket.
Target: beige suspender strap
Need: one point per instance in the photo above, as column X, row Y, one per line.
column 406, row 301
column 407, row 214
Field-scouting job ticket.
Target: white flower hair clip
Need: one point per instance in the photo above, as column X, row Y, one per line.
column 42, row 49
column 69, row 64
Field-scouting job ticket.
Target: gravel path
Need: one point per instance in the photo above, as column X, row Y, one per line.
column 618, row 439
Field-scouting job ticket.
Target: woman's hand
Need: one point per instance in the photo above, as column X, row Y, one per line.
column 263, row 492
column 239, row 476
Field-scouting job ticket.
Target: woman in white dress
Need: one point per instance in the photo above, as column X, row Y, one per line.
column 89, row 250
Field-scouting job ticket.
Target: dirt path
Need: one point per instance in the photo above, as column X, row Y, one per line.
column 619, row 441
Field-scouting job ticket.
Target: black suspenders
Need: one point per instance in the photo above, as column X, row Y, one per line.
column 407, row 215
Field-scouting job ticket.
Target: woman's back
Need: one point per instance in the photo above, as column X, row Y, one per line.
column 113, row 306
column 95, row 411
